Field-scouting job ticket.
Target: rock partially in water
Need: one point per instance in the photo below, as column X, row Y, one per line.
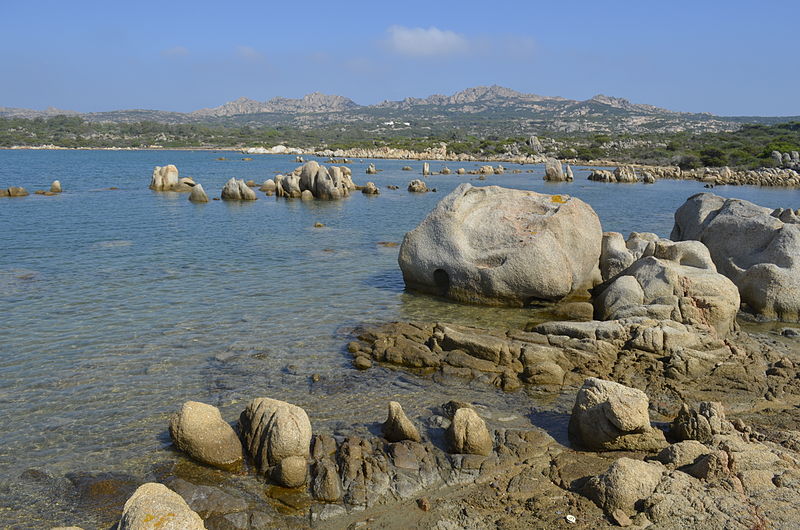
column 154, row 506
column 165, row 178
column 501, row 246
column 371, row 170
column 273, row 431
column 236, row 190
column 268, row 186
column 207, row 501
column 554, row 171
column 370, row 189
column 198, row 430
column 468, row 434
column 198, row 194
column 611, row 416
column 417, row 186
column 756, row 250
column 14, row 191
column 398, row 427
column 55, row 187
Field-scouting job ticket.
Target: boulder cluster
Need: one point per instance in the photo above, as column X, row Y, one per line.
column 316, row 182
column 623, row 174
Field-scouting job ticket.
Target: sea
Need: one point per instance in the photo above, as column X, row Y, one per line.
column 118, row 304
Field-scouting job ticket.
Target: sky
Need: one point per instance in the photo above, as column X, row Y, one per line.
column 724, row 57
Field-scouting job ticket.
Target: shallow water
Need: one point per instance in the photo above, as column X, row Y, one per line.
column 118, row 305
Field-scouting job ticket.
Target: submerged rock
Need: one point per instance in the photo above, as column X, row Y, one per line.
column 154, row 506
column 199, row 431
column 500, row 246
column 757, row 251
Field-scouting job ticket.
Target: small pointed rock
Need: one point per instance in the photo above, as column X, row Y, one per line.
column 398, row 427
column 55, row 187
column 468, row 434
column 198, row 194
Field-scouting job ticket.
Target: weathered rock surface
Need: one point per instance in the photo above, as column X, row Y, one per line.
column 417, row 186
column 468, row 434
column 198, row 430
column 370, row 189
column 274, row 431
column 55, row 187
column 670, row 281
column 198, row 194
column 165, row 178
column 14, row 191
column 625, row 485
column 398, row 427
column 759, row 252
column 154, row 506
column 700, row 424
column 236, row 190
column 500, row 246
column 554, row 171
column 611, row 416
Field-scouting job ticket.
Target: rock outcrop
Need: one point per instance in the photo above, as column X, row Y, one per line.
column 610, row 416
column 165, row 178
column 198, row 194
column 154, row 506
column 554, row 171
column 327, row 183
column 370, row 189
column 670, row 281
column 55, row 187
column 236, row 190
column 500, row 246
column 417, row 186
column 753, row 247
column 14, row 191
column 277, row 436
column 198, row 430
column 371, row 170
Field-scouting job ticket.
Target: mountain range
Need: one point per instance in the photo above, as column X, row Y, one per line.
column 478, row 110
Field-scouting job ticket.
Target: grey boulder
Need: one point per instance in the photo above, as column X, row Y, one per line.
column 198, row 430
column 499, row 246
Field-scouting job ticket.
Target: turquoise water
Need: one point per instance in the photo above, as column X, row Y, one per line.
column 118, row 305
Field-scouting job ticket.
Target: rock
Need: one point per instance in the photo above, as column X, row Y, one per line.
column 757, row 251
column 620, row 517
column 362, row 363
column 370, row 189
column 610, row 416
column 371, row 170
column 461, row 171
column 486, row 170
column 154, row 506
column 398, row 427
column 55, row 187
column 648, row 178
column 251, row 183
column 237, row 190
column 268, row 186
column 682, row 453
column 501, row 246
column 207, row 501
column 602, row 175
column 445, row 170
column 468, row 434
column 671, row 281
column 614, row 255
column 713, row 466
column 700, row 424
column 291, row 472
column 407, row 168
column 426, row 169
column 417, row 186
column 273, row 431
column 165, row 178
column 625, row 174
column 569, row 176
column 198, row 194
column 553, row 170
column 449, row 409
column 326, row 486
column 306, row 195
column 624, row 485
column 14, row 191
column 199, row 431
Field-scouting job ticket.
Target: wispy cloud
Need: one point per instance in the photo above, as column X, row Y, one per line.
column 249, row 53
column 421, row 42
column 176, row 51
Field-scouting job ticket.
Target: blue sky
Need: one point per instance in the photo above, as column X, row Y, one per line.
column 724, row 57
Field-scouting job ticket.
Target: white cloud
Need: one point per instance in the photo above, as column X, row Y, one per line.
column 421, row 42
column 176, row 51
column 250, row 54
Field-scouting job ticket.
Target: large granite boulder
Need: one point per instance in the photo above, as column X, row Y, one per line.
column 610, row 416
column 758, row 251
column 499, row 246
column 165, row 178
column 670, row 281
column 277, row 436
column 236, row 190
column 198, row 194
column 198, row 430
column 155, row 506
column 553, row 170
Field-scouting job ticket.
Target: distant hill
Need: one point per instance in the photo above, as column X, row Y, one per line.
column 483, row 110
